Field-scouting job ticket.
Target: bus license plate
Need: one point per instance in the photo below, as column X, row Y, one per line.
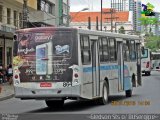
column 45, row 84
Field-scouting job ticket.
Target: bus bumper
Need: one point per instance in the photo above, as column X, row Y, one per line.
column 60, row 93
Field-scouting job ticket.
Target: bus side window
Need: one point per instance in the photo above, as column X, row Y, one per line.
column 112, row 48
column 85, row 50
column 132, row 51
column 126, row 51
column 103, row 50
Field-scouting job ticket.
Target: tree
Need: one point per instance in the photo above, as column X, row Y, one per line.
column 121, row 30
column 145, row 21
column 153, row 42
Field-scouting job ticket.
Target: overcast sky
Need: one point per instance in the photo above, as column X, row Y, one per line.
column 95, row 5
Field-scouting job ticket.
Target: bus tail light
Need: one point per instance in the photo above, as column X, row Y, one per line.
column 147, row 65
column 16, row 76
column 76, row 75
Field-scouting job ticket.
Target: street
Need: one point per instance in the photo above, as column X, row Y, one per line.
column 146, row 99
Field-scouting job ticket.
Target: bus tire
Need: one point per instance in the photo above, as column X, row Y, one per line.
column 128, row 93
column 104, row 99
column 54, row 103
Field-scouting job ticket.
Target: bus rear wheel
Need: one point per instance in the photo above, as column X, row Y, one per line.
column 128, row 93
column 104, row 99
column 54, row 103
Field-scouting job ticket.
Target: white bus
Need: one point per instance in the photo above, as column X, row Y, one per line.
column 55, row 64
column 155, row 60
column 146, row 64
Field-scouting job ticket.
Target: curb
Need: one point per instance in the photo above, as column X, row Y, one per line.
column 7, row 97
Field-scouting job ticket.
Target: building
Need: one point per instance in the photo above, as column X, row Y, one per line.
column 37, row 13
column 50, row 13
column 122, row 5
column 117, row 18
column 10, row 19
column 136, row 16
column 134, row 6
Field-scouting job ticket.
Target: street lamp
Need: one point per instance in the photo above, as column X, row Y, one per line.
column 84, row 9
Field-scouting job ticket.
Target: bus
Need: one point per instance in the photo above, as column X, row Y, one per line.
column 146, row 61
column 59, row 63
column 155, row 60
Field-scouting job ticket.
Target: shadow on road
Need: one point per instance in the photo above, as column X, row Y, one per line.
column 75, row 106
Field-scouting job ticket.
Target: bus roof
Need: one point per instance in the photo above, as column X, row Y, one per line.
column 83, row 31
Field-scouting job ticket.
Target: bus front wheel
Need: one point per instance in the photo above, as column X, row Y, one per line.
column 55, row 103
column 104, row 99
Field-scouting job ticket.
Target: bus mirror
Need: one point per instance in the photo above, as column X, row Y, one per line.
column 15, row 37
column 142, row 50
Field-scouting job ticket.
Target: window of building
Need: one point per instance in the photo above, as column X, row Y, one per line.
column 15, row 17
column 85, row 50
column 20, row 20
column 1, row 13
column 9, row 55
column 46, row 6
column 8, row 16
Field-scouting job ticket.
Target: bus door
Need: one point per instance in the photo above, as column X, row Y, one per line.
column 95, row 66
column 138, row 49
column 120, row 66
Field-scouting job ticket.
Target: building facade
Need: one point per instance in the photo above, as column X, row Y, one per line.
column 122, row 5
column 10, row 20
column 136, row 16
column 39, row 13
column 118, row 19
column 50, row 13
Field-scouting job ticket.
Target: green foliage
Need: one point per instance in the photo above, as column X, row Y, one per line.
column 121, row 30
column 153, row 42
column 145, row 21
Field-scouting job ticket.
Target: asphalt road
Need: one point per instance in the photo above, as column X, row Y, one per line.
column 146, row 99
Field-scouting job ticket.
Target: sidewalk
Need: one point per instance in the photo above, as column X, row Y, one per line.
column 7, row 91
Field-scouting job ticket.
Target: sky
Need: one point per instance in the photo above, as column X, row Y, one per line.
column 95, row 5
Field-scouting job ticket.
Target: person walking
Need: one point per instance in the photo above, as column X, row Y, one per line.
column 1, row 77
column 10, row 74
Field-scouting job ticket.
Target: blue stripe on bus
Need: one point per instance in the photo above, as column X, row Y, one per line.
column 109, row 67
column 127, row 78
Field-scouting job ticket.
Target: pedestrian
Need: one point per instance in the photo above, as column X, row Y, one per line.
column 0, row 88
column 1, row 74
column 10, row 74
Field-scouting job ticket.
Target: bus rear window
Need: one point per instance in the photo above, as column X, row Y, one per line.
column 145, row 55
column 62, row 44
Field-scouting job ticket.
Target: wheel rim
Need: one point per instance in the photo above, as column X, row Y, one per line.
column 105, row 93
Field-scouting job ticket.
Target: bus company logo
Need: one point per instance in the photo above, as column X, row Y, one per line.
column 45, row 84
column 62, row 49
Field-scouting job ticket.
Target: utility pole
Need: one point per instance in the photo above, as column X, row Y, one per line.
column 25, row 14
column 101, row 15
column 89, row 23
column 97, row 23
